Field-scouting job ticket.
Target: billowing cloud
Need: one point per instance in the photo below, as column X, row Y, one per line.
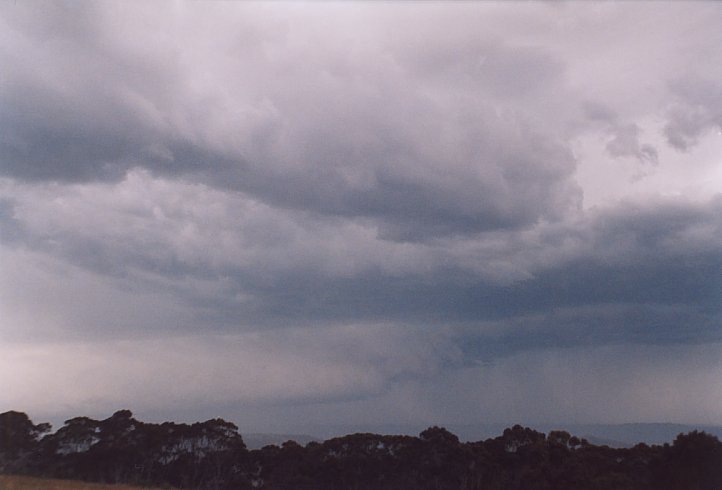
column 239, row 264
column 321, row 205
column 373, row 135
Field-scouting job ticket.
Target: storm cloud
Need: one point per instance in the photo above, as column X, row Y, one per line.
column 390, row 198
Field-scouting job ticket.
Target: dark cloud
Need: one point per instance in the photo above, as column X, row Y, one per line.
column 384, row 196
column 593, row 325
column 347, row 142
column 620, row 273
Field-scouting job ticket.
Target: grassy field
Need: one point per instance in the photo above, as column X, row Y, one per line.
column 11, row 482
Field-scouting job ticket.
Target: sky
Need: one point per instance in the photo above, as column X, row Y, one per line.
column 319, row 213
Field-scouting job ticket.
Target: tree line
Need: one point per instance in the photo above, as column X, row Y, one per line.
column 212, row 455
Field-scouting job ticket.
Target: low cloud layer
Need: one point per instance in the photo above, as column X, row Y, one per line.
column 314, row 381
column 321, row 205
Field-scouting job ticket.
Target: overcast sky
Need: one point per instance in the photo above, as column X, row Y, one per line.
column 290, row 214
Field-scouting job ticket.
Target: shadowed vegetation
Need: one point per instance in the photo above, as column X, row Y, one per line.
column 211, row 455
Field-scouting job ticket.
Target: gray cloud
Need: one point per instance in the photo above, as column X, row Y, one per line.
column 342, row 363
column 624, row 140
column 366, row 138
column 626, row 143
column 698, row 110
column 385, row 196
column 638, row 272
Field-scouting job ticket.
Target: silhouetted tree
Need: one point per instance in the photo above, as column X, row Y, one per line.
column 211, row 455
column 18, row 440
column 693, row 462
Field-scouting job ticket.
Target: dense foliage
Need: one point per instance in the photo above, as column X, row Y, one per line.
column 212, row 455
